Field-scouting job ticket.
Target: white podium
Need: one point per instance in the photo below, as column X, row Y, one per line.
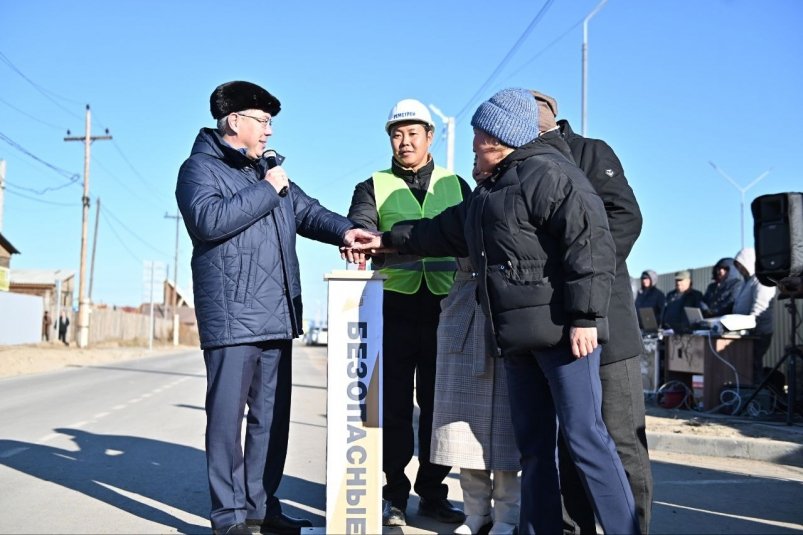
column 354, row 403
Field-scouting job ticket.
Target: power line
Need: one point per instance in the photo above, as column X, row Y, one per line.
column 41, row 200
column 547, row 47
column 122, row 242
column 120, row 181
column 501, row 65
column 28, row 115
column 45, row 92
column 134, row 234
column 45, row 190
column 62, row 172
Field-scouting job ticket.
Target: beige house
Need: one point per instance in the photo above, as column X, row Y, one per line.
column 45, row 283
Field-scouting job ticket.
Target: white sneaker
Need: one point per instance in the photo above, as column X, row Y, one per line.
column 473, row 524
column 502, row 528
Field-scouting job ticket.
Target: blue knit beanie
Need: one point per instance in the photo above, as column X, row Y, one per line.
column 511, row 116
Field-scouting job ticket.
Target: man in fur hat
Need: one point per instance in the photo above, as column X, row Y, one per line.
column 243, row 218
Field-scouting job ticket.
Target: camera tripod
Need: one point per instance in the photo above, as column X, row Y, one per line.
column 792, row 350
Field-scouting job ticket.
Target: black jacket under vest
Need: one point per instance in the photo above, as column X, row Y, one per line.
column 537, row 233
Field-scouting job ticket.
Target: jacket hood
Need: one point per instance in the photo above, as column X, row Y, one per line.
column 652, row 275
column 747, row 258
column 209, row 142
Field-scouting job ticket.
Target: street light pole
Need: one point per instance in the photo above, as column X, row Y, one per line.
column 449, row 122
column 742, row 191
column 178, row 219
column 583, row 118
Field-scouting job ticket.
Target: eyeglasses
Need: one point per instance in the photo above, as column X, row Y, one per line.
column 264, row 122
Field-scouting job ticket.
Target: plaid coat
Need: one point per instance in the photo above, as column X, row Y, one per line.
column 471, row 426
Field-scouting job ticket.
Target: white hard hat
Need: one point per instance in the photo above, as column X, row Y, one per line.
column 409, row 109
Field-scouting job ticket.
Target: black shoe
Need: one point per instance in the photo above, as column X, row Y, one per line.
column 235, row 529
column 392, row 515
column 441, row 510
column 280, row 524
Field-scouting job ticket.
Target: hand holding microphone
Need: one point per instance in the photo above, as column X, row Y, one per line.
column 276, row 175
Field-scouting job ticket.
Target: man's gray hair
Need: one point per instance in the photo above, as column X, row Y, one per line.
column 223, row 124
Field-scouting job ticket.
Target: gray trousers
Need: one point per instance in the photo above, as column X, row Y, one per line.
column 623, row 414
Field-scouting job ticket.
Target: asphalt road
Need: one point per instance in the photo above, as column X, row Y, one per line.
column 119, row 449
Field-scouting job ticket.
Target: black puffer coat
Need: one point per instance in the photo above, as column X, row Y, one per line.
column 538, row 233
column 244, row 267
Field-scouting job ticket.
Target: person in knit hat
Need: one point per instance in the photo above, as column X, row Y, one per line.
column 526, row 229
column 755, row 299
column 620, row 356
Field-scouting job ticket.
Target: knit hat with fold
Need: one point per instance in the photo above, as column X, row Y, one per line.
column 511, row 116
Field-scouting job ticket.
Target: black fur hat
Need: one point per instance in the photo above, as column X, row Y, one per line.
column 238, row 96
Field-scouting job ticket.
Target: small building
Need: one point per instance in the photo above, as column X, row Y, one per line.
column 45, row 283
column 6, row 250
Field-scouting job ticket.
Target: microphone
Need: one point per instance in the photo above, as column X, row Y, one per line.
column 272, row 159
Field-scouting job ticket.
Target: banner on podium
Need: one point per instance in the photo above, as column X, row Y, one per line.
column 354, row 403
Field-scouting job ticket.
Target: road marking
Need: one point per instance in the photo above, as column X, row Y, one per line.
column 711, row 481
column 101, row 415
column 13, row 451
column 78, row 425
column 305, row 507
column 788, row 525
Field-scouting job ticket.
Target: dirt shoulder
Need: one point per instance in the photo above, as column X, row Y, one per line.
column 38, row 358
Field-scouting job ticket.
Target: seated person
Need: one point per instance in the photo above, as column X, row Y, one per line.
column 755, row 299
column 649, row 296
column 678, row 299
column 719, row 296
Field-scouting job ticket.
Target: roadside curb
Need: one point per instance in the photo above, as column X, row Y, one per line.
column 757, row 449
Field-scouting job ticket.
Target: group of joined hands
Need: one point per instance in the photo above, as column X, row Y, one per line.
column 360, row 244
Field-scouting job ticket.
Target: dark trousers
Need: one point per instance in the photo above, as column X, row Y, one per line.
column 550, row 383
column 623, row 414
column 243, row 482
column 761, row 345
column 409, row 353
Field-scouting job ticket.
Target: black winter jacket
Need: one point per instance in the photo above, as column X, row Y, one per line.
column 537, row 233
column 604, row 171
column 244, row 266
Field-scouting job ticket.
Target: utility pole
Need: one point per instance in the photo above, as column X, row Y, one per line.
column 583, row 118
column 94, row 248
column 2, row 189
column 449, row 122
column 82, row 334
column 742, row 191
column 177, row 217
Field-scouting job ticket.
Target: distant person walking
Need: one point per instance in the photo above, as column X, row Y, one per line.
column 46, row 326
column 63, row 323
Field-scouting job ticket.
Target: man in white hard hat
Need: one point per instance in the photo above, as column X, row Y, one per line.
column 412, row 188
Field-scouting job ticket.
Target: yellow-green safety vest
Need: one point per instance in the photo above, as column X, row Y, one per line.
column 395, row 202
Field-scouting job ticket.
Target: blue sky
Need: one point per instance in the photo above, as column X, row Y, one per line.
column 673, row 85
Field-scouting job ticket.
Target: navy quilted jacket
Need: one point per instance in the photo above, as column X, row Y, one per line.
column 244, row 264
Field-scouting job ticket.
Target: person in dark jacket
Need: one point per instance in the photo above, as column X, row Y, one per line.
column 649, row 296
column 537, row 234
column 413, row 187
column 725, row 286
column 678, row 299
column 243, row 219
column 620, row 367
column 62, row 323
